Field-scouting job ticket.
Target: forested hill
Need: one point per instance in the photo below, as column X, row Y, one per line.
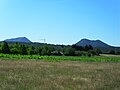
column 83, row 47
column 105, row 48
column 94, row 43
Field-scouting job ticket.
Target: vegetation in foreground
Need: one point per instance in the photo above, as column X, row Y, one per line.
column 45, row 49
column 64, row 75
column 102, row 58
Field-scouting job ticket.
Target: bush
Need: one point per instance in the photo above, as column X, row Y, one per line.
column 118, row 53
column 14, row 51
column 5, row 48
column 69, row 51
column 112, row 52
column 78, row 53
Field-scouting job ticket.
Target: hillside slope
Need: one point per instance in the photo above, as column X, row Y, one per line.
column 98, row 44
column 19, row 39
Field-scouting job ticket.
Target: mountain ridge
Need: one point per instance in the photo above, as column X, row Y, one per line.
column 98, row 44
column 18, row 39
column 94, row 43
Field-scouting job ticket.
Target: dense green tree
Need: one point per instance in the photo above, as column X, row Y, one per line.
column 92, row 52
column 62, row 46
column 78, row 53
column 76, row 47
column 16, row 45
column 89, row 54
column 118, row 52
column 47, row 50
column 98, row 52
column 74, row 50
column 111, row 52
column 40, row 51
column 90, row 47
column 86, row 48
column 84, row 53
column 15, row 51
column 32, row 50
column 23, row 50
column 69, row 51
column 5, row 48
column 44, row 50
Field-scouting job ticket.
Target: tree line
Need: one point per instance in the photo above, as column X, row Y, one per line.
column 72, row 50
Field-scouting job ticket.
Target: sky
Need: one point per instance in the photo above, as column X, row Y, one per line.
column 61, row 21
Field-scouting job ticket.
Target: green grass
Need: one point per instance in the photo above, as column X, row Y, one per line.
column 63, row 58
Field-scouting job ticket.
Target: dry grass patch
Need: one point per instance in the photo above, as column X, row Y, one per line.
column 63, row 75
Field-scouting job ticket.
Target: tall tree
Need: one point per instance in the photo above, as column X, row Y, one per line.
column 5, row 48
column 23, row 50
column 111, row 52
column 44, row 50
column 98, row 51
column 69, row 51
column 77, row 47
column 16, row 45
column 86, row 48
column 32, row 50
column 40, row 51
column 47, row 50
column 90, row 47
column 15, row 49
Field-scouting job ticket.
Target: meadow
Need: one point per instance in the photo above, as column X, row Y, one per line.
column 102, row 58
column 24, row 72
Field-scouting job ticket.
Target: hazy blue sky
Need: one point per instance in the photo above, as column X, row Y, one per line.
column 61, row 21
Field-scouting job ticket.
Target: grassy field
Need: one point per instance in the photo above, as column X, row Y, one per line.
column 62, row 75
column 102, row 58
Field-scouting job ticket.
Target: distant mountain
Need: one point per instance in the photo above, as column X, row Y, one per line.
column 19, row 39
column 94, row 43
column 98, row 44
